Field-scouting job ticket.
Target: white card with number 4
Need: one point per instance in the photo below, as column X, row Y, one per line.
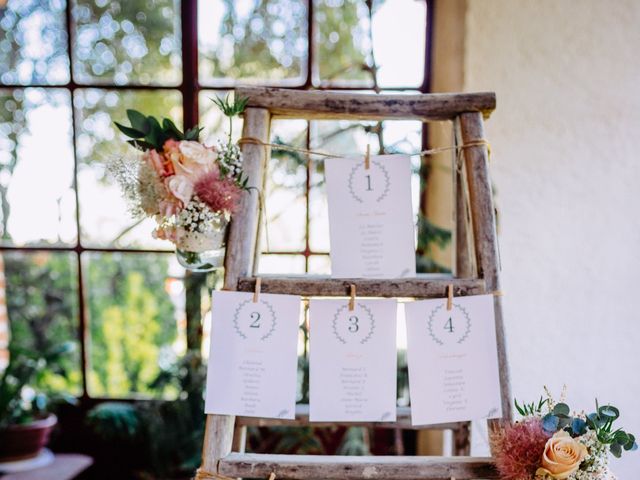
column 371, row 224
column 453, row 360
column 352, row 361
column 253, row 358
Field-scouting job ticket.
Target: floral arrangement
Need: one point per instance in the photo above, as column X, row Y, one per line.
column 191, row 190
column 550, row 442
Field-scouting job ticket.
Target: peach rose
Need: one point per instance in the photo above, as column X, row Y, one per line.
column 562, row 456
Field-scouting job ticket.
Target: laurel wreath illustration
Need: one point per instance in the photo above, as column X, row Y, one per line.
column 372, row 323
column 433, row 335
column 236, row 315
column 387, row 181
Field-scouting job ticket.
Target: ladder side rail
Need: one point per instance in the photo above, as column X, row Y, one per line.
column 485, row 239
column 241, row 245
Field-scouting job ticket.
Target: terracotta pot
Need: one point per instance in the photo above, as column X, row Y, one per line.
column 21, row 442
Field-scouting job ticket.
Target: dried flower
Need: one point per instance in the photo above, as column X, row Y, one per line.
column 519, row 448
column 219, row 194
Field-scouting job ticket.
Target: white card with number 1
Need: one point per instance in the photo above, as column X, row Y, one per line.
column 371, row 224
column 352, row 361
column 253, row 360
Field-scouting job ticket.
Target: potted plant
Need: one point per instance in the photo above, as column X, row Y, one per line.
column 25, row 420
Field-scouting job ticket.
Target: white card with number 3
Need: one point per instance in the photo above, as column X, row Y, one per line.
column 352, row 361
column 371, row 225
column 453, row 360
column 253, row 358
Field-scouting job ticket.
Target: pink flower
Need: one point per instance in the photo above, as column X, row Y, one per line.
column 518, row 449
column 181, row 187
column 168, row 208
column 165, row 233
column 219, row 194
column 159, row 163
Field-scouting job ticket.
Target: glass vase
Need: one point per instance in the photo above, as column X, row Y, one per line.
column 202, row 252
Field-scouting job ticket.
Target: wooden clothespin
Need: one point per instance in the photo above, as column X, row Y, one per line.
column 450, row 296
column 367, row 158
column 272, row 476
column 256, row 291
column 352, row 300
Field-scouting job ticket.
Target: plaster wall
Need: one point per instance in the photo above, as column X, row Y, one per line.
column 566, row 169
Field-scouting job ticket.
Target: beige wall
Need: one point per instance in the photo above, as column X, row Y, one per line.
column 567, row 175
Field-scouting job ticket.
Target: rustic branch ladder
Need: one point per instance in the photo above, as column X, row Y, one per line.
column 477, row 271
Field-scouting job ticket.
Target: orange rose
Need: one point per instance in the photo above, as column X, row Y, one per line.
column 562, row 456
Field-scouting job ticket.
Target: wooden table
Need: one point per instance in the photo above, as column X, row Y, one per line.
column 65, row 466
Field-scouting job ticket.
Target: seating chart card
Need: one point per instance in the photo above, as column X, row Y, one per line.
column 253, row 358
column 352, row 360
column 453, row 360
column 370, row 217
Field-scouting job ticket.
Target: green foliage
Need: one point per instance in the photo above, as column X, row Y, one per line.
column 148, row 133
column 601, row 422
column 529, row 409
column 20, row 402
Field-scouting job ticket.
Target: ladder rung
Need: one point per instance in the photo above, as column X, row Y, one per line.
column 339, row 467
column 403, row 420
column 423, row 286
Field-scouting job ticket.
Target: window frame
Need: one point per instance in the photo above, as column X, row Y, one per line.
column 190, row 89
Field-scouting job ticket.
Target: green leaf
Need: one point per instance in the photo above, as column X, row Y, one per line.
column 171, row 128
column 550, row 422
column 609, row 412
column 128, row 131
column 141, row 145
column 578, row 426
column 138, row 121
column 621, row 437
column 193, row 134
column 561, row 409
column 518, row 408
column 616, row 450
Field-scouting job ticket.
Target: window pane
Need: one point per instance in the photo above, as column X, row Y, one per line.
column 344, row 45
column 127, row 42
column 319, row 265
column 33, row 42
column 285, row 201
column 36, row 167
column 342, row 42
column 104, row 217
column 136, row 305
column 248, row 41
column 400, row 26
column 281, row 264
column 42, row 303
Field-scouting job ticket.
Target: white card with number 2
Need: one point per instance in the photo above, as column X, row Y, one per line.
column 371, row 224
column 352, row 360
column 253, row 360
column 453, row 360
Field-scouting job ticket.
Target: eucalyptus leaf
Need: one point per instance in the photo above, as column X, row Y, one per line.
column 550, row 422
column 609, row 412
column 616, row 450
column 561, row 409
column 578, row 426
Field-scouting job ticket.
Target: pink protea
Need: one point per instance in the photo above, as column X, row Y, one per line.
column 219, row 194
column 518, row 449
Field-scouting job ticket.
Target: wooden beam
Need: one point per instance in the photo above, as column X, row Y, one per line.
column 362, row 106
column 317, row 286
column 403, row 420
column 338, row 467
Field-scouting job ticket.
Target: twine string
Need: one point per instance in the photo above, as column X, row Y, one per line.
column 422, row 153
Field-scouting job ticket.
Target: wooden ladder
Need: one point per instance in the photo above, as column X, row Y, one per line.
column 476, row 273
